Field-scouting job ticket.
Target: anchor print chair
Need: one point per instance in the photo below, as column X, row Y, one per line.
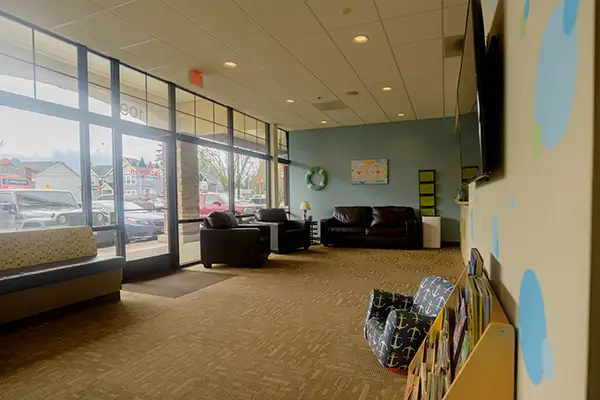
column 397, row 324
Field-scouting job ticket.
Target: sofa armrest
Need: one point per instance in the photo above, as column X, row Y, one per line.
column 382, row 302
column 297, row 224
column 265, row 230
column 403, row 334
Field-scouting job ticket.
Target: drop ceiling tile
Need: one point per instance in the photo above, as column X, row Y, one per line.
column 134, row 60
column 330, row 12
column 112, row 3
column 451, row 71
column 163, row 54
column 414, row 28
column 397, row 8
column 345, row 117
column 455, row 20
column 427, row 96
column 415, row 52
column 68, row 10
column 283, row 18
column 393, row 102
column 114, row 29
column 93, row 42
column 30, row 14
column 373, row 61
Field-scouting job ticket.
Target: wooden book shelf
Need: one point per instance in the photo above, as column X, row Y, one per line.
column 489, row 371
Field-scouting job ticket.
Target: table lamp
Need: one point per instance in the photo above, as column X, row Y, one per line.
column 304, row 206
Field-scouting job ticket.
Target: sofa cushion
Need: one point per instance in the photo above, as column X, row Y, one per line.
column 221, row 220
column 356, row 215
column 356, row 230
column 271, row 215
column 384, row 231
column 32, row 247
column 14, row 280
column 392, row 216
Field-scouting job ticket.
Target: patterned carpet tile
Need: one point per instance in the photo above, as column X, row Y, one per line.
column 290, row 330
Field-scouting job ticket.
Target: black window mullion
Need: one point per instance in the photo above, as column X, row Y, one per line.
column 118, row 191
column 230, row 161
column 171, row 179
column 84, row 135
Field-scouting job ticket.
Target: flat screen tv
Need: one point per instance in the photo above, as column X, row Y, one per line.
column 480, row 97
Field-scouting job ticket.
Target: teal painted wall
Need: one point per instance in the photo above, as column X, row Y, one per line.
column 409, row 146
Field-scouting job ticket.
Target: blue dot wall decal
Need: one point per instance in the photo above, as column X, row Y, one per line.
column 472, row 223
column 495, row 239
column 512, row 203
column 557, row 73
column 532, row 329
column 570, row 15
column 526, row 10
column 547, row 360
column 493, row 5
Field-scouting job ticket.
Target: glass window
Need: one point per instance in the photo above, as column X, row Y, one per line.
column 249, row 133
column 250, row 184
column 282, row 200
column 282, row 144
column 16, row 58
column 40, row 170
column 211, row 199
column 101, row 158
column 197, row 115
column 213, row 175
column 99, row 84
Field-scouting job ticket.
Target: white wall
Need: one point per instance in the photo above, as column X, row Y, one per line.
column 60, row 177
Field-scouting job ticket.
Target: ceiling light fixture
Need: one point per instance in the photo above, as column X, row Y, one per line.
column 387, row 88
column 401, row 114
column 360, row 39
column 290, row 101
column 346, row 11
column 229, row 64
column 352, row 93
column 323, row 122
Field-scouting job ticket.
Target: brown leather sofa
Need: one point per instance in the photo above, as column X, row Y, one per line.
column 378, row 227
column 224, row 241
column 286, row 235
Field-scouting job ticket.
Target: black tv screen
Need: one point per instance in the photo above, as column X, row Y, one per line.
column 479, row 102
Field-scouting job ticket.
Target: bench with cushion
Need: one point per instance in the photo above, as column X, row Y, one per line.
column 43, row 270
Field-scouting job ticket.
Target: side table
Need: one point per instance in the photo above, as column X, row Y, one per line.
column 432, row 232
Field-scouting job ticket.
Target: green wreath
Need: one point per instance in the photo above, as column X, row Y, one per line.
column 309, row 175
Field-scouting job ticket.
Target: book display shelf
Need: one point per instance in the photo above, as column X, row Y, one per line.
column 485, row 369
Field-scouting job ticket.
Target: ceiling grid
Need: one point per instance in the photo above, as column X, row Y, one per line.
column 300, row 50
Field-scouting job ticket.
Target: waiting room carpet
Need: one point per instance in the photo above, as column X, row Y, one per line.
column 176, row 285
column 292, row 329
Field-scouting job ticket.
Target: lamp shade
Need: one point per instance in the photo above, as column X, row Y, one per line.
column 304, row 206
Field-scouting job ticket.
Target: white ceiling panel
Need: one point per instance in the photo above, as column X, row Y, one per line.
column 68, row 10
column 30, row 14
column 373, row 60
column 414, row 28
column 398, row 8
column 451, row 71
column 114, row 29
column 345, row 117
column 283, row 18
column 427, row 96
column 330, row 14
column 284, row 49
column 455, row 20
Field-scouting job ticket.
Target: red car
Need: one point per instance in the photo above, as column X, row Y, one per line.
column 210, row 202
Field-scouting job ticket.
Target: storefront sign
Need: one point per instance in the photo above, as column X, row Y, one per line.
column 10, row 183
column 151, row 173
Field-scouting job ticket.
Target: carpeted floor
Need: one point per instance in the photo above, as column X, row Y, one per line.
column 289, row 330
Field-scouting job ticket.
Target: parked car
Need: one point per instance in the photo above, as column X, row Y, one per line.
column 22, row 209
column 212, row 201
column 140, row 223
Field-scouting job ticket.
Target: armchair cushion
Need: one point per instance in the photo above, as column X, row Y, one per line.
column 382, row 302
column 271, row 215
column 432, row 295
column 348, row 229
column 383, row 231
column 221, row 220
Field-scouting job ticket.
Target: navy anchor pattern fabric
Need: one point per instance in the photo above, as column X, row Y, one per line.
column 397, row 324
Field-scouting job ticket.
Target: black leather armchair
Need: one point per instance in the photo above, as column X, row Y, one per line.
column 286, row 235
column 224, row 241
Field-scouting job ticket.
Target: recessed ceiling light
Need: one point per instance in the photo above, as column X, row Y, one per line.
column 401, row 114
column 346, row 11
column 290, row 101
column 323, row 122
column 387, row 88
column 229, row 64
column 360, row 39
column 352, row 93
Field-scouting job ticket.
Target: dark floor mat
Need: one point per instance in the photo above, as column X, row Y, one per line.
column 177, row 284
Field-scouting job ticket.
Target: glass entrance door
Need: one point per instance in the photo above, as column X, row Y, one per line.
column 145, row 199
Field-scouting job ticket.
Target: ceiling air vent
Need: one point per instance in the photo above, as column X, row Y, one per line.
column 453, row 46
column 330, row 105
